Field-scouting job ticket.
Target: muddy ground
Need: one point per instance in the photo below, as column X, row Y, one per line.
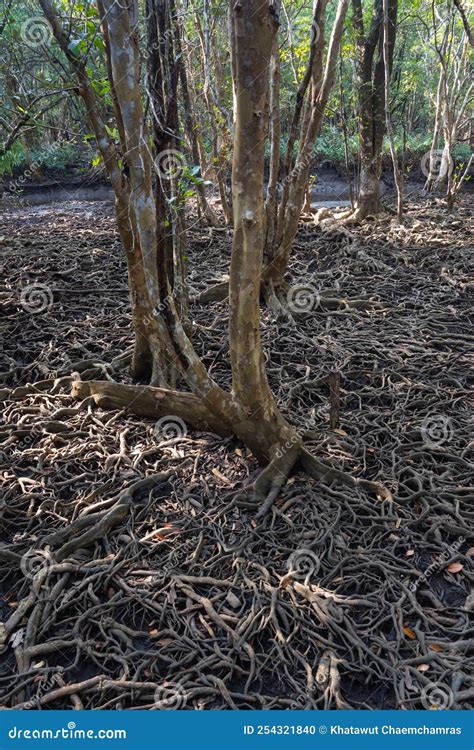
column 336, row 599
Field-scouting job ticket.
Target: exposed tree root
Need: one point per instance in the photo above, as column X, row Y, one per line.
column 346, row 218
column 113, row 624
column 158, row 402
column 274, row 298
column 319, row 470
column 217, row 293
column 269, row 483
column 91, row 526
column 152, row 402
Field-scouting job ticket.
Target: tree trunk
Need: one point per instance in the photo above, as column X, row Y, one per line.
column 253, row 27
column 371, row 99
column 249, row 411
column 296, row 181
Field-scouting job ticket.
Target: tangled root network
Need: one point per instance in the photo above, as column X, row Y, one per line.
column 134, row 572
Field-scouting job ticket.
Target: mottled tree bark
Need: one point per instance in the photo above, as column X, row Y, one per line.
column 249, row 411
column 253, row 27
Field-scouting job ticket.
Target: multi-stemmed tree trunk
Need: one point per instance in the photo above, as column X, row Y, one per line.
column 371, row 98
column 453, row 96
column 207, row 213
column 287, row 188
column 283, row 216
column 220, row 120
column 249, row 411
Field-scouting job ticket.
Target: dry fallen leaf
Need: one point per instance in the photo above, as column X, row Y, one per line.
column 17, row 638
column 220, row 476
column 436, row 647
column 409, row 552
column 409, row 632
column 339, row 431
column 233, row 600
column 455, row 567
column 153, row 631
column 470, row 552
column 423, row 667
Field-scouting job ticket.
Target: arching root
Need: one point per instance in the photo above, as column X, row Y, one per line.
column 272, row 479
column 217, row 293
column 319, row 470
column 91, row 526
column 269, row 483
column 275, row 299
column 153, row 402
column 148, row 401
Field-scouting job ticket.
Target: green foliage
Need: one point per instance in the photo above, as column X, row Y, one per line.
column 13, row 158
column 43, row 158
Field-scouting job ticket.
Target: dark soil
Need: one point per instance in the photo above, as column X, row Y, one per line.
column 334, row 600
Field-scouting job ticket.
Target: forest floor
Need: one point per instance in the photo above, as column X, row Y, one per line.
column 336, row 599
